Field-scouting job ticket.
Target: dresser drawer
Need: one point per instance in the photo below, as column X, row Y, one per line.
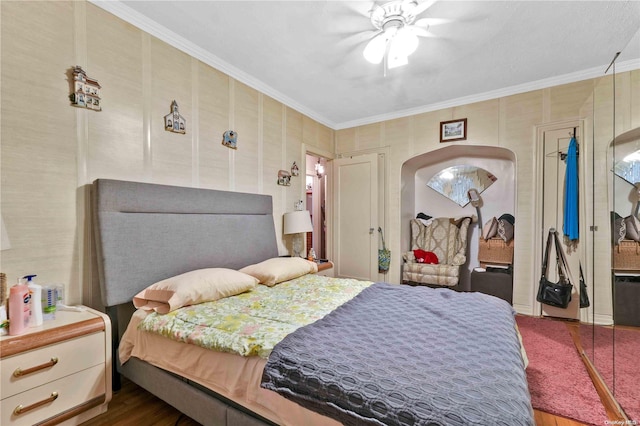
column 71, row 391
column 51, row 363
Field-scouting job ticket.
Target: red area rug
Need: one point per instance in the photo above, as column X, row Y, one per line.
column 558, row 380
column 627, row 368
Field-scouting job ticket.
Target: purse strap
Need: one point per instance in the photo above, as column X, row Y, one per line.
column 545, row 259
column 563, row 264
column 384, row 247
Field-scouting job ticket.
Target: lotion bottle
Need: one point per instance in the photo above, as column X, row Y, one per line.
column 36, row 301
column 19, row 309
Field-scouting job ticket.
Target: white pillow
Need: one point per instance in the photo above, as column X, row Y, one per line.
column 490, row 229
column 278, row 269
column 190, row 288
column 632, row 228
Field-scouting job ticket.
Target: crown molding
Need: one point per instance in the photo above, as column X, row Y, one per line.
column 135, row 18
column 495, row 94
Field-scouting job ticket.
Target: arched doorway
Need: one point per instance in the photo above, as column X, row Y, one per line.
column 417, row 197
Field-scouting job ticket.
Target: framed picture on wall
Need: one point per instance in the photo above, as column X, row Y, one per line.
column 453, row 130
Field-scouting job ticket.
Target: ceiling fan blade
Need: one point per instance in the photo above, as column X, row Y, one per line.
column 420, row 31
column 421, row 7
column 357, row 8
column 375, row 49
column 430, row 22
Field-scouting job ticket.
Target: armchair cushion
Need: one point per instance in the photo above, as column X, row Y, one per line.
column 425, row 273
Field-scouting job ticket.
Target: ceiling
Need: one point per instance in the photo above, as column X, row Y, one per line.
column 308, row 54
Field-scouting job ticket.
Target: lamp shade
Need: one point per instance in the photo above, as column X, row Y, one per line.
column 4, row 237
column 297, row 221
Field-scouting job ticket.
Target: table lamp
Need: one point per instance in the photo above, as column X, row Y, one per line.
column 296, row 223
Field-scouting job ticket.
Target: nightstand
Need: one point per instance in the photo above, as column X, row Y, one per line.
column 57, row 372
column 325, row 269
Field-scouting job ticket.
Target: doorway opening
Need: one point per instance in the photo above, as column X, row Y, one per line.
column 417, row 197
column 316, row 202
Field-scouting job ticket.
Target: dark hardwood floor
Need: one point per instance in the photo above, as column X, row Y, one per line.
column 133, row 406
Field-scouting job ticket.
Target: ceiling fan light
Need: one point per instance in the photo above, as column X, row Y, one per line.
column 374, row 52
column 397, row 38
column 404, row 43
column 397, row 61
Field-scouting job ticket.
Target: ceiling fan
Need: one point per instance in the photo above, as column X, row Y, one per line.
column 397, row 32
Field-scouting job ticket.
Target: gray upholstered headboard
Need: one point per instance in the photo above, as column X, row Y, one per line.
column 148, row 232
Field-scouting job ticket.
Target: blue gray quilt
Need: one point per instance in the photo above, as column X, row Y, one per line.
column 401, row 355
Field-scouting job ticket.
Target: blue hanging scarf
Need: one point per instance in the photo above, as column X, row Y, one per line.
column 571, row 222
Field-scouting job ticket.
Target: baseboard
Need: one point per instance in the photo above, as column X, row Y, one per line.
column 613, row 409
column 600, row 319
column 523, row 310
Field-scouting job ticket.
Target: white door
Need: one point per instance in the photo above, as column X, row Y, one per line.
column 556, row 142
column 355, row 217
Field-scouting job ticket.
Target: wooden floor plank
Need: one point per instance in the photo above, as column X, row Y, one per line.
column 134, row 406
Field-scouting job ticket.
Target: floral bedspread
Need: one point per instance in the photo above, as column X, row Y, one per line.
column 251, row 323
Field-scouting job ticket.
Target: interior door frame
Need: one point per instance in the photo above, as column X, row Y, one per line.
column 383, row 206
column 538, row 231
column 329, row 156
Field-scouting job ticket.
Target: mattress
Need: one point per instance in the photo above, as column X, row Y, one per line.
column 176, row 342
column 224, row 370
column 232, row 376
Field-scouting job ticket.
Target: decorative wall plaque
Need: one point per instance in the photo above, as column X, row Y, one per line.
column 174, row 122
column 86, row 91
column 230, row 139
column 284, row 178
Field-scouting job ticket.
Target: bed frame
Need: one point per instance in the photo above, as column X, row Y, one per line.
column 144, row 233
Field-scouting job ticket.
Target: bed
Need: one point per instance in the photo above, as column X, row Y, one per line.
column 148, row 233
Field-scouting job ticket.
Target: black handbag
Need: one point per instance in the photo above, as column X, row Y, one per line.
column 556, row 294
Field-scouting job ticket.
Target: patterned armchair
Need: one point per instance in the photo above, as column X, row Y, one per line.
column 445, row 237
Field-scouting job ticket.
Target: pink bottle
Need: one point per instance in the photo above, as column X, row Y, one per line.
column 19, row 309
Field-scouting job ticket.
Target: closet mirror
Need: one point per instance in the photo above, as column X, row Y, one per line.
column 455, row 182
column 611, row 340
column 625, row 268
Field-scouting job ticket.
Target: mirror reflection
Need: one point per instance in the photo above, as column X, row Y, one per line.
column 629, row 167
column 454, row 182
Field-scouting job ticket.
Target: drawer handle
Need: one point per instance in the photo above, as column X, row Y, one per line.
column 20, row 372
column 20, row 409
